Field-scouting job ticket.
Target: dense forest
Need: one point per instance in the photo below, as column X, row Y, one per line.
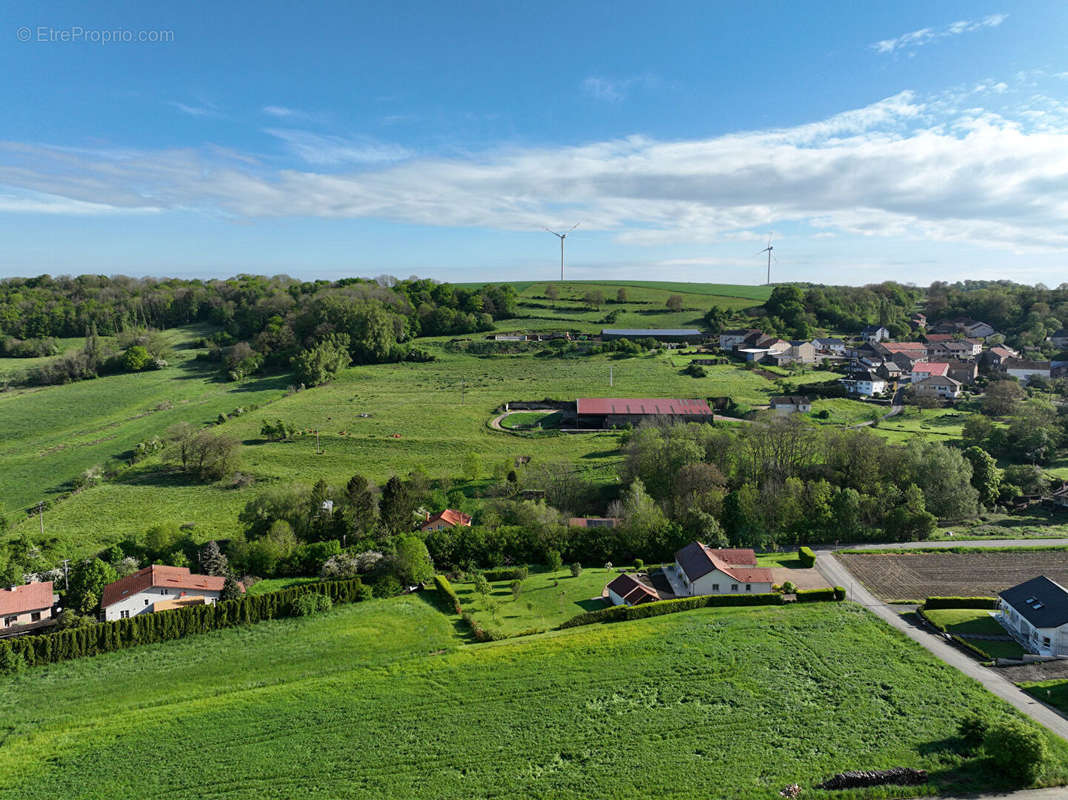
column 796, row 311
column 1026, row 315
column 265, row 323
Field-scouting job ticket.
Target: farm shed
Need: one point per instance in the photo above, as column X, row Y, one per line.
column 1036, row 613
column 610, row 412
column 628, row 590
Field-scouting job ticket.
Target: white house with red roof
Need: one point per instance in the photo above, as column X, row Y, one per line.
column 630, row 590
column 159, row 588
column 23, row 608
column 925, row 369
column 449, row 518
column 700, row 569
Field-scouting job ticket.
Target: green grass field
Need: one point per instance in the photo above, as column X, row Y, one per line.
column 546, row 600
column 1053, row 692
column 843, row 411
column 965, row 621
column 51, row 435
column 379, row 700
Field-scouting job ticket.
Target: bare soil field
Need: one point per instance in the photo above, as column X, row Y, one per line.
column 920, row 575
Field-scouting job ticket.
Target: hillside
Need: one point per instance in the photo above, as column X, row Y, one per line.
column 369, row 700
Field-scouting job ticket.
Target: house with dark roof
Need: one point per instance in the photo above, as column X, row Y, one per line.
column 630, row 590
column 730, row 339
column 792, row 404
column 1024, row 370
column 1035, row 612
column 829, row 345
column 875, row 333
column 700, row 569
column 159, row 588
column 449, row 518
column 26, row 608
column 1060, row 338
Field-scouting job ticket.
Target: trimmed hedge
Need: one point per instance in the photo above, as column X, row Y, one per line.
column 448, row 594
column 163, row 626
column 962, row 602
column 820, row 595
column 506, row 574
column 645, row 610
column 808, row 558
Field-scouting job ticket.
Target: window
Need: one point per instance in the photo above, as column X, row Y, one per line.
column 35, row 616
column 146, row 601
column 164, row 591
column 748, row 587
column 734, row 587
column 715, row 587
column 124, row 615
column 9, row 621
column 1045, row 641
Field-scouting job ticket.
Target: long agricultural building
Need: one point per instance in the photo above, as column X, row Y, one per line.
column 611, row 412
column 660, row 334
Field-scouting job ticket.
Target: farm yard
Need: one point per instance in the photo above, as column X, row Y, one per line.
column 368, row 698
column 911, row 577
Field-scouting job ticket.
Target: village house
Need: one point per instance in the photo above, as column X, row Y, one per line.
column 1025, row 370
column 918, row 320
column 699, row 570
column 1060, row 338
column 1035, row 613
column 26, row 608
column 904, row 354
column 449, row 518
column 865, row 383
column 794, row 404
column 799, row 353
column 925, row 369
column 158, row 588
column 630, row 590
column 757, row 346
column 830, row 346
column 964, row 371
column 728, row 340
column 889, row 370
column 997, row 355
column 977, row 330
column 875, row 333
column 937, row 386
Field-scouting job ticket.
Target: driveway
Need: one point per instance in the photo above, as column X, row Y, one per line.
column 838, row 575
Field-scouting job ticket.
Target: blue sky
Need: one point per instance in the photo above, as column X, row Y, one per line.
column 912, row 141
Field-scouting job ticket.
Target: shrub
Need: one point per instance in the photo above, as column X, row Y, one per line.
column 962, row 602
column 639, row 564
column 1018, row 749
column 808, row 558
column 972, row 730
column 576, row 569
column 310, row 604
column 448, row 594
column 517, row 588
column 788, row 588
column 11, row 662
column 816, row 595
column 507, row 574
column 839, row 593
column 554, row 560
column 482, row 586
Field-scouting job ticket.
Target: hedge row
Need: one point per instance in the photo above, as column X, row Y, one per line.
column 820, row 595
column 808, row 558
column 962, row 602
column 162, row 626
column 506, row 574
column 621, row 613
column 448, row 594
column 482, row 634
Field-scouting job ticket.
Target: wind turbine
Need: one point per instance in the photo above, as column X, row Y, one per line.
column 562, row 236
column 768, row 250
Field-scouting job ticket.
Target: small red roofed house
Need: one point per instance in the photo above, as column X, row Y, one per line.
column 449, row 518
column 700, row 569
column 925, row 369
column 158, row 588
column 23, row 608
column 629, row 590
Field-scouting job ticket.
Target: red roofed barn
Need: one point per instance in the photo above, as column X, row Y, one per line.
column 158, row 588
column 610, row 412
column 24, row 608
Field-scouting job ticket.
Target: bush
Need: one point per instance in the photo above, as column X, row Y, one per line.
column 576, row 569
column 839, row 593
column 808, row 558
column 622, row 613
column 447, row 593
column 962, row 602
column 1018, row 749
column 972, row 730
column 506, row 574
column 816, row 595
column 553, row 560
column 517, row 588
column 311, row 604
column 639, row 565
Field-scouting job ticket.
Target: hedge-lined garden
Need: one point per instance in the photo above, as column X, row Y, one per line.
column 962, row 602
column 162, row 626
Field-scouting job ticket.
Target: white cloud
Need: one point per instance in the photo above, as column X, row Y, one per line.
column 280, row 111
column 615, row 90
column 923, row 36
column 202, row 110
column 328, row 151
column 902, row 168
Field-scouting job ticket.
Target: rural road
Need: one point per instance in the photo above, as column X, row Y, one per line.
column 836, row 573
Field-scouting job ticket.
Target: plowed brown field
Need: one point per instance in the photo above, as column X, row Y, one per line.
column 916, row 576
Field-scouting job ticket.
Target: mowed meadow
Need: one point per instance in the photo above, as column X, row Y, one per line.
column 377, row 420
column 381, row 700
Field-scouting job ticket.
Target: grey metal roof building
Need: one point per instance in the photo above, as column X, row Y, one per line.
column 1042, row 602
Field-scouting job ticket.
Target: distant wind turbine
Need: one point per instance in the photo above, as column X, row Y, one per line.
column 562, row 236
column 768, row 250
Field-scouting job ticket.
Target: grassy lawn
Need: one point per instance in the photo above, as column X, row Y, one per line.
column 371, row 700
column 525, row 420
column 843, row 411
column 274, row 584
column 546, row 599
column 940, row 424
column 1054, row 692
column 970, row 621
column 785, row 558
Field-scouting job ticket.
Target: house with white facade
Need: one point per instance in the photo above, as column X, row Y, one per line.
column 865, row 383
column 937, row 386
column 26, row 608
column 875, row 333
column 791, row 404
column 829, row 345
column 728, row 340
column 700, row 569
column 1036, row 614
column 158, row 588
column 630, row 590
column 1024, row 370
